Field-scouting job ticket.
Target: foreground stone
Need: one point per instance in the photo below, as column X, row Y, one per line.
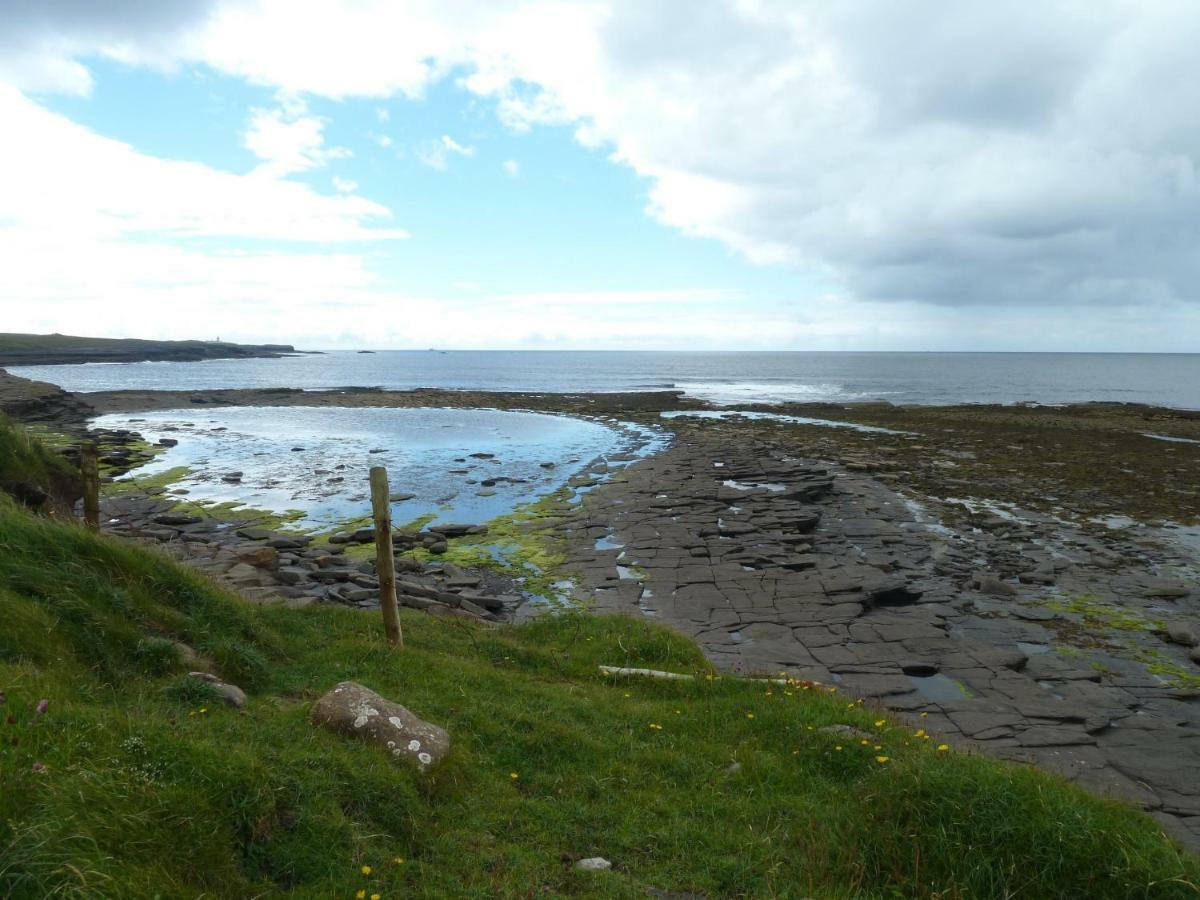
column 355, row 710
column 230, row 694
column 594, row 864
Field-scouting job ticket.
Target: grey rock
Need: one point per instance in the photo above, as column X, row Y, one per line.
column 594, row 864
column 230, row 694
column 177, row 519
column 989, row 584
column 355, row 710
column 1185, row 635
column 1167, row 590
column 292, row 574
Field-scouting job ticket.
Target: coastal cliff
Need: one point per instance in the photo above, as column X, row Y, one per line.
column 58, row 349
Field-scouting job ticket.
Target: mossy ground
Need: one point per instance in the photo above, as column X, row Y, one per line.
column 1082, row 460
column 133, row 783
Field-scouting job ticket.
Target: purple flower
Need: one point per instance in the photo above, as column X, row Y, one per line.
column 38, row 767
column 42, row 706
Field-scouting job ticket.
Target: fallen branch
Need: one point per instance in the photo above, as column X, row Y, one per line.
column 648, row 673
column 676, row 676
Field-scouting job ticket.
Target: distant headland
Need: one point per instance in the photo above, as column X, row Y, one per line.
column 59, row 349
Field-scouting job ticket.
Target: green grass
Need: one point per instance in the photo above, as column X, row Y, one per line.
column 148, row 788
column 26, row 461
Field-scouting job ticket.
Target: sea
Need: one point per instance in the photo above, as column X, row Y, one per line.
column 722, row 378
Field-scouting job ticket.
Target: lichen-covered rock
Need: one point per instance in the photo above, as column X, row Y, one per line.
column 352, row 709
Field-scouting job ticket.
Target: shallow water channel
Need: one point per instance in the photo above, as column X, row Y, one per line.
column 457, row 465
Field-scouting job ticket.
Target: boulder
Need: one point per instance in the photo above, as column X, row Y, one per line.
column 1185, row 635
column 990, row 584
column 230, row 694
column 357, row 711
column 260, row 557
column 176, row 519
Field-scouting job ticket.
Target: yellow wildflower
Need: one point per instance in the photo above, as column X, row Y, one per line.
column 399, row 860
column 879, row 723
column 360, row 895
column 513, row 775
column 943, row 748
column 366, row 870
column 881, row 759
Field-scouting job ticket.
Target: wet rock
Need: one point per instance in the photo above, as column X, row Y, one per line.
column 176, row 519
column 282, row 543
column 1185, row 635
column 456, row 530
column 255, row 534
column 356, row 711
column 230, row 694
column 400, row 497
column 1167, row 590
column 987, row 583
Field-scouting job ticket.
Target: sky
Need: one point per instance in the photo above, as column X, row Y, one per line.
column 632, row 174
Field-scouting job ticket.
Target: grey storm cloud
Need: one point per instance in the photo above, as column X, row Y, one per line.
column 945, row 151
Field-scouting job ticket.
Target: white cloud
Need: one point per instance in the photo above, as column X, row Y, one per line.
column 436, row 153
column 512, row 167
column 969, row 155
column 61, row 178
column 344, row 185
column 289, row 141
column 382, row 114
column 956, row 153
column 99, row 238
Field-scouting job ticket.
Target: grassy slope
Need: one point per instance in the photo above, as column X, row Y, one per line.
column 144, row 794
column 25, row 461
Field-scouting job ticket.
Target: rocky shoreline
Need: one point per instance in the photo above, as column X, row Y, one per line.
column 1021, row 580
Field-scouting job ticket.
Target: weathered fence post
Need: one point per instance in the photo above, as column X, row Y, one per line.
column 385, row 563
column 89, row 467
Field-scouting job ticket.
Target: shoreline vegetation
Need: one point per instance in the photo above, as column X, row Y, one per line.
column 64, row 349
column 841, row 781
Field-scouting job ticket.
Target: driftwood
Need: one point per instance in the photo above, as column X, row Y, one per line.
column 646, row 673
column 676, row 676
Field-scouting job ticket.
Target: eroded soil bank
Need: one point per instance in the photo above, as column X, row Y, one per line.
column 1026, row 580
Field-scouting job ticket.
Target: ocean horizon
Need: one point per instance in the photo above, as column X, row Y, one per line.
column 727, row 378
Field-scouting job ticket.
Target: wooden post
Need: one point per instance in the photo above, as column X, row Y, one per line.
column 89, row 467
column 385, row 563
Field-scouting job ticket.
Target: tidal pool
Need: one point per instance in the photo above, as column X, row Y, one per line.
column 456, row 465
